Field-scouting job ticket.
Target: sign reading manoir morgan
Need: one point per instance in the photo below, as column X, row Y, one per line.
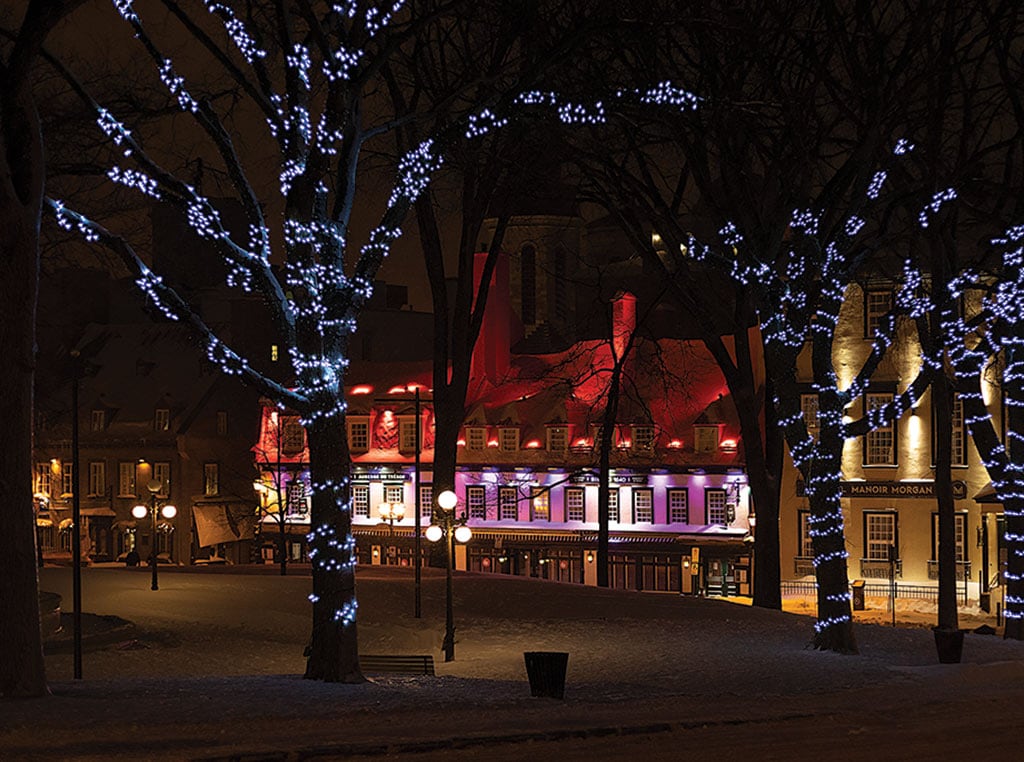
column 916, row 489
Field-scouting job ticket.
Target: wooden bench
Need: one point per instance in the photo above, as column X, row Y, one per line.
column 402, row 665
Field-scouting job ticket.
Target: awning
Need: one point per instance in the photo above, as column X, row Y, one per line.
column 99, row 511
column 66, row 524
column 124, row 525
column 41, row 522
column 223, row 522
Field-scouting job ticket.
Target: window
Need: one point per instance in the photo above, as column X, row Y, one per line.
column 880, row 443
column 42, row 480
column 959, row 533
column 540, row 508
column 809, row 407
column 508, row 503
column 358, row 436
column 162, row 473
column 643, row 505
column 805, row 548
column 678, row 506
column 67, row 478
column 222, row 423
column 293, row 436
column 126, row 479
column 98, row 422
column 476, row 437
column 613, row 504
column 407, row 436
column 879, row 535
column 360, row 499
column 876, row 306
column 959, row 457
column 574, row 504
column 705, row 438
column 508, row 439
column 558, row 438
column 394, row 493
column 426, row 498
column 162, row 419
column 211, row 479
column 274, row 353
column 643, row 437
column 476, row 502
column 296, row 498
column 528, row 284
column 97, row 477
column 714, row 505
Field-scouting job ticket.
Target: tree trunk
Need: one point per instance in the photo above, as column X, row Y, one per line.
column 22, row 671
column 333, row 653
column 942, row 409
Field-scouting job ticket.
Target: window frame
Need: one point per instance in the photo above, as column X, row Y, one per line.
column 126, row 479
column 712, row 494
column 97, row 478
column 873, row 317
column 360, row 496
column 426, row 501
column 504, row 514
column 959, row 528
column 575, row 512
column 891, row 429
column 292, row 435
column 872, row 546
column 553, row 434
column 810, row 409
column 476, row 438
column 98, row 420
column 540, row 496
column 804, row 540
column 476, row 501
column 211, row 478
column 162, row 419
column 358, row 430
column 703, row 428
column 614, row 506
column 508, row 438
column 648, row 493
column 673, row 511
column 163, row 467
column 644, row 436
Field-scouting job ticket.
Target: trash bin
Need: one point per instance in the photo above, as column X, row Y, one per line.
column 949, row 644
column 858, row 594
column 546, row 670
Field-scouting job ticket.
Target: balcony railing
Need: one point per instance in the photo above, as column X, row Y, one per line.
column 963, row 570
column 871, row 568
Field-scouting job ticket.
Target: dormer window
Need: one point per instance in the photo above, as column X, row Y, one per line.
column 98, row 421
column 705, row 438
column 407, row 435
column 476, row 437
column 508, row 439
column 558, row 438
column 643, row 437
column 358, row 434
column 293, row 436
column 162, row 419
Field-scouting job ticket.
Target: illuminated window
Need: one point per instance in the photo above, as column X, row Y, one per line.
column 643, row 505
column 296, row 504
column 162, row 473
column 508, row 439
column 678, row 506
column 508, row 503
column 42, row 480
column 876, row 306
column 643, row 437
column 98, row 421
column 540, row 510
column 574, row 504
column 126, row 479
column 407, row 436
column 809, row 407
column 358, row 435
column 476, row 502
column 805, row 548
column 879, row 535
column 293, row 436
column 67, row 478
column 476, row 437
column 211, row 479
column 162, row 419
column 613, row 504
column 361, row 499
column 958, row 454
column 426, row 501
column 880, row 443
column 273, row 353
column 705, row 438
column 558, row 438
column 959, row 534
column 97, row 478
column 715, row 505
column 394, row 493
column 222, row 423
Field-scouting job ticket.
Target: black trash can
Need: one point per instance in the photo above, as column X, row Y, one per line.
column 949, row 644
column 857, row 589
column 546, row 670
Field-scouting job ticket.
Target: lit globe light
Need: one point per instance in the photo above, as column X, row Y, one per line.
column 398, row 511
column 447, row 500
column 169, row 511
column 140, row 511
column 434, row 533
column 463, row 534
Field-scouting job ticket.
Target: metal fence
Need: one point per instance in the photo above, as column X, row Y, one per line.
column 802, row 589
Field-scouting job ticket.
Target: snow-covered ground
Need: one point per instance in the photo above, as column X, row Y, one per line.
column 211, row 668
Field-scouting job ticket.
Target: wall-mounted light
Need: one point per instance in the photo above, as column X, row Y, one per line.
column 590, row 558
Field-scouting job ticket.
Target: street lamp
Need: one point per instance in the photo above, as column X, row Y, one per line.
column 167, row 511
column 391, row 512
column 455, row 530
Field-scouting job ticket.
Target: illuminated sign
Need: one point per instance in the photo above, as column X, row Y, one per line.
column 896, row 489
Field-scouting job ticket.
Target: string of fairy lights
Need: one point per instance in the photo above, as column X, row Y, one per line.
column 322, row 298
